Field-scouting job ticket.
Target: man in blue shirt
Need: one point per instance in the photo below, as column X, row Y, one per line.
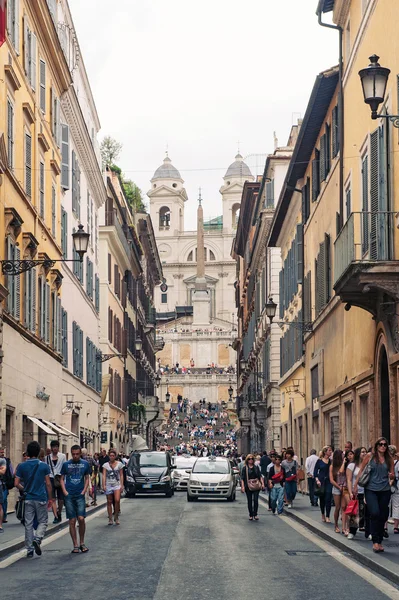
column 74, row 482
column 32, row 478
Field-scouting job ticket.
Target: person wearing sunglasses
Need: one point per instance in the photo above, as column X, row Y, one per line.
column 377, row 489
column 251, row 483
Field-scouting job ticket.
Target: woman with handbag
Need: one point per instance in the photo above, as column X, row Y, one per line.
column 276, row 481
column 251, row 484
column 290, row 467
column 323, row 485
column 376, row 476
column 352, row 471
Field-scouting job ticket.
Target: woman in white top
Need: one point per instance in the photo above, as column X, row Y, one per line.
column 352, row 471
column 113, row 485
column 395, row 495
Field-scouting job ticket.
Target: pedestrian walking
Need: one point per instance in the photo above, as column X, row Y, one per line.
column 113, row 486
column 251, row 484
column 3, row 468
column 264, row 463
column 378, row 470
column 32, row 478
column 323, row 485
column 339, row 489
column 352, row 472
column 310, row 464
column 55, row 460
column 104, row 458
column 8, row 482
column 290, row 467
column 75, row 481
column 276, row 480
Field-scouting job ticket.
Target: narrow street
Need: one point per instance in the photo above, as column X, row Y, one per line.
column 169, row 549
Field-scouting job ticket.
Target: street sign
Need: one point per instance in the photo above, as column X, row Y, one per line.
column 104, row 437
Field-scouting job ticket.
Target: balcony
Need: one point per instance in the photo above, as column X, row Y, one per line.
column 365, row 268
column 111, row 220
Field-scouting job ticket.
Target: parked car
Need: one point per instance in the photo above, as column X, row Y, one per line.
column 182, row 470
column 149, row 472
column 211, row 477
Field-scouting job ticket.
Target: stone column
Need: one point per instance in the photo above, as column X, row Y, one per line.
column 201, row 297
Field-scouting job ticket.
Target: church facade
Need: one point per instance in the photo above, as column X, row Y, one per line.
column 196, row 304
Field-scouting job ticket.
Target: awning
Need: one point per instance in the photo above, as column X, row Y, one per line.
column 60, row 429
column 41, row 425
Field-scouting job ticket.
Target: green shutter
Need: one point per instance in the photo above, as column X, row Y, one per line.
column 74, row 202
column 47, row 314
column 374, row 192
column 322, row 158
column 65, row 157
column 299, row 261
column 327, row 149
column 315, row 176
column 365, row 205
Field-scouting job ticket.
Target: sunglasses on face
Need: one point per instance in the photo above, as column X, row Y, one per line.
column 382, row 444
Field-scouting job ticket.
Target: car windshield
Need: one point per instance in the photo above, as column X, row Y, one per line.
column 150, row 459
column 184, row 463
column 209, row 466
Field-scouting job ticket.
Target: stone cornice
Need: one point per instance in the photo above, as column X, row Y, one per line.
column 341, row 12
column 84, row 146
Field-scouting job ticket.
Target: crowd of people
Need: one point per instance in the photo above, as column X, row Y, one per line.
column 46, row 480
column 210, row 369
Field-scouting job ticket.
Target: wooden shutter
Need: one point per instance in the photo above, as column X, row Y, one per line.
column 65, row 157
column 41, row 189
column 335, row 131
column 10, row 133
column 42, row 76
column 321, row 276
column 33, row 61
column 26, row 48
column 299, row 257
column 116, row 279
column 27, row 298
column 374, row 192
column 80, row 353
column 327, row 269
column 47, row 310
column 97, row 293
column 88, row 361
column 110, row 324
column 315, row 176
column 365, row 205
column 327, row 149
column 28, row 164
column 109, row 268
column 74, row 345
column 322, row 157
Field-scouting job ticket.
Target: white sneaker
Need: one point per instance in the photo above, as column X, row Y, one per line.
column 370, row 538
column 350, row 536
column 391, row 521
column 289, row 506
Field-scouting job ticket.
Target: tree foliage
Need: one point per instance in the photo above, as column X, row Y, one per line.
column 133, row 194
column 110, row 150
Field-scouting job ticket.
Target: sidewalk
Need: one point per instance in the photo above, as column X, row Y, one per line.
column 13, row 538
column 385, row 564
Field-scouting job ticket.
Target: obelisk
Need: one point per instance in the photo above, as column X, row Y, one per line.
column 201, row 297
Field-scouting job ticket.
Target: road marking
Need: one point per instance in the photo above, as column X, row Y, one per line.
column 376, row 581
column 21, row 553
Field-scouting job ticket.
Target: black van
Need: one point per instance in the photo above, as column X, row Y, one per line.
column 149, row 472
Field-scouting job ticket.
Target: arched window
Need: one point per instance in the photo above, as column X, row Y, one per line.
column 209, row 255
column 190, row 257
column 164, row 217
column 235, row 214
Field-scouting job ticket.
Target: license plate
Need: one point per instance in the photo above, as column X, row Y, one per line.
column 209, row 489
column 148, row 486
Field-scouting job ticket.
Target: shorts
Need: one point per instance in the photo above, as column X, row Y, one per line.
column 75, row 506
column 58, row 494
column 110, row 491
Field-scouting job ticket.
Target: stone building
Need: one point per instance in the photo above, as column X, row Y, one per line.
column 196, row 319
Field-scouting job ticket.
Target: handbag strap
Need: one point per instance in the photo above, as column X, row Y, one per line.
column 50, row 463
column 30, row 480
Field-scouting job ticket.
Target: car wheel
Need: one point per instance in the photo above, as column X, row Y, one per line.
column 169, row 494
column 231, row 498
column 189, row 498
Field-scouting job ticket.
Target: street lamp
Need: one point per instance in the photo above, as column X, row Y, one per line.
column 167, row 395
column 138, row 344
column 16, row 267
column 374, row 79
column 158, row 380
column 271, row 308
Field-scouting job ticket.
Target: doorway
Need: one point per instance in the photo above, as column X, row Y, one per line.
column 384, row 396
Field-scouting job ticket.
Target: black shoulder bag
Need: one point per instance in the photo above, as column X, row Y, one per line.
column 20, row 504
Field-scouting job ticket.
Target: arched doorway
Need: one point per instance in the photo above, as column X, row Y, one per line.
column 384, row 395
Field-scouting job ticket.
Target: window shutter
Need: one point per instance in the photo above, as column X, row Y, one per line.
column 374, row 193
column 335, row 131
column 316, row 175
column 81, row 353
column 97, row 297
column 33, row 61
column 41, row 189
column 47, row 322
column 28, row 165
column 74, row 346
column 321, row 277
column 88, row 361
column 42, row 75
column 270, row 194
column 299, row 258
column 59, row 325
column 17, row 295
column 10, row 134
column 322, row 157
column 327, row 149
column 65, row 337
column 77, row 189
column 327, row 269
column 110, row 323
column 27, row 299
column 26, row 48
column 42, row 307
column 33, row 287
column 65, row 157
column 365, row 204
column 109, row 268
column 348, row 201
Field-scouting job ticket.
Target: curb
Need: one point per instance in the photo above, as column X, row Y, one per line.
column 14, row 547
column 355, row 554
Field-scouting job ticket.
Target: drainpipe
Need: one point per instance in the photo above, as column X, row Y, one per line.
column 340, row 219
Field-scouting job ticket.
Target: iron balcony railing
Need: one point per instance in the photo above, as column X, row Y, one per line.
column 366, row 237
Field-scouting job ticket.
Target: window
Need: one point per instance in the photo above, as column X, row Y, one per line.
column 30, row 54
column 348, row 420
column 364, row 420
column 13, row 283
column 316, row 175
column 190, row 257
column 306, row 201
column 93, row 366
column 30, row 300
column 89, row 278
column 314, row 377
column 10, row 133
column 44, row 310
column 56, row 327
column 164, row 217
column 348, row 201
column 322, row 275
column 13, row 22
column 164, row 298
column 42, row 75
column 97, row 293
column 65, row 157
column 64, row 334
column 117, row 281
column 269, row 194
column 55, row 116
column 64, row 232
column 365, row 203
column 75, row 185
column 211, row 255
column 335, row 131
column 77, row 342
column 110, row 325
column 28, row 164
column 42, row 187
column 53, row 211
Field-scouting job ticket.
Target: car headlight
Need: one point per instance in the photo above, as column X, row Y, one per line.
column 130, row 478
column 194, row 482
column 176, row 474
column 166, row 478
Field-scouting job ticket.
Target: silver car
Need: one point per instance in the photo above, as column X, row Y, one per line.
column 211, row 477
column 180, row 474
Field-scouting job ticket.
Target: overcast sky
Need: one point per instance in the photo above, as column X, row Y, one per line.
column 198, row 77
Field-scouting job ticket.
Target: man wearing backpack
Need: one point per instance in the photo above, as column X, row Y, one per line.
column 32, row 478
column 7, row 481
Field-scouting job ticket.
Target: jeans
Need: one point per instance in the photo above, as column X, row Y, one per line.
column 277, row 499
column 253, row 502
column 311, row 488
column 5, row 502
column 75, row 506
column 290, row 490
column 35, row 509
column 378, row 509
column 325, row 500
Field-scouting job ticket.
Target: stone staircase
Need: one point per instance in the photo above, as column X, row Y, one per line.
column 197, row 421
